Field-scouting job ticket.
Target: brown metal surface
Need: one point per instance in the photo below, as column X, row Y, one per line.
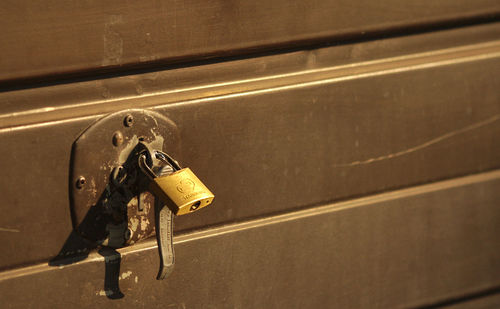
column 398, row 249
column 319, row 157
column 66, row 37
column 308, row 129
column 189, row 84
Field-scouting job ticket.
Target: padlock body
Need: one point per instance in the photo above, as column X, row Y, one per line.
column 182, row 191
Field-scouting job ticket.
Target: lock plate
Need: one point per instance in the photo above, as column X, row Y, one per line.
column 105, row 186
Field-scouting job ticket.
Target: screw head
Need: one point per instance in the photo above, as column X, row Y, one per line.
column 80, row 182
column 128, row 121
column 117, row 138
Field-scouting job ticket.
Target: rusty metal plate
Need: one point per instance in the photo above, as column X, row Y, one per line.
column 103, row 156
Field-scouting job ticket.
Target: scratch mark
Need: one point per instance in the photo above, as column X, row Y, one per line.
column 2, row 229
column 177, row 306
column 424, row 145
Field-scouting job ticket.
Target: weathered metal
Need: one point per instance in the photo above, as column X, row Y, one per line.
column 74, row 38
column 405, row 248
column 291, row 135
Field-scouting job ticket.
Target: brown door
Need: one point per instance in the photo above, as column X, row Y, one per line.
column 352, row 147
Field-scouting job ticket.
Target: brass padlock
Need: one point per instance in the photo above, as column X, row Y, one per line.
column 181, row 190
column 186, row 191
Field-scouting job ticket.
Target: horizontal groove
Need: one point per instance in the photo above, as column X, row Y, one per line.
column 464, row 299
column 251, row 86
column 150, row 244
column 251, row 51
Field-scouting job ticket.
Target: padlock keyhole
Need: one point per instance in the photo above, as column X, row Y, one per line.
column 195, row 206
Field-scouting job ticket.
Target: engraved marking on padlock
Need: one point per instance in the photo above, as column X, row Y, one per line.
column 186, row 186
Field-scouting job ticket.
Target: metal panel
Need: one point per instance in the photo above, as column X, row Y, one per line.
column 62, row 37
column 186, row 84
column 398, row 249
column 310, row 137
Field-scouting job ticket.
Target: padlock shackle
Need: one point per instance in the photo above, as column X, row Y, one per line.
column 165, row 158
column 145, row 168
column 161, row 156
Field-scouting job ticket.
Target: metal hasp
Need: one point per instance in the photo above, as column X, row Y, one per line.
column 117, row 164
column 110, row 201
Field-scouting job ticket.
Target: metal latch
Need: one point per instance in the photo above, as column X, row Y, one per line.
column 125, row 184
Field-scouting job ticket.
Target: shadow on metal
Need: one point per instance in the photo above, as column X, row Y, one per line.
column 105, row 226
